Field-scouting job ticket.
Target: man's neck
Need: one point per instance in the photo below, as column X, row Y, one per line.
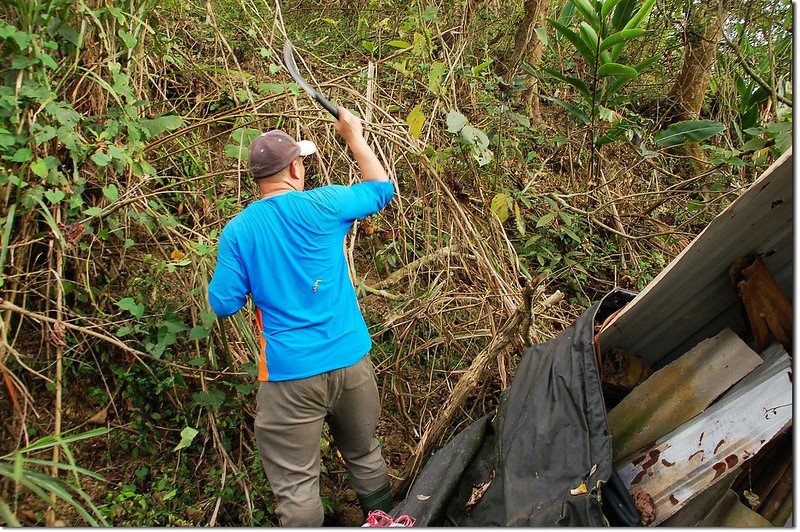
column 275, row 189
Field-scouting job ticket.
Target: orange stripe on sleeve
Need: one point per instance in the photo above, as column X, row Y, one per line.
column 263, row 372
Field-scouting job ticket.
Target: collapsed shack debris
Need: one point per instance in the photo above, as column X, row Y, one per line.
column 543, row 458
column 679, row 391
column 714, row 444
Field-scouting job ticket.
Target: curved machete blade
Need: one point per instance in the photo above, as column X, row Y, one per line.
column 288, row 57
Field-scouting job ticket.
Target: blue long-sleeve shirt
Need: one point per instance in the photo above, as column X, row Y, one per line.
column 287, row 251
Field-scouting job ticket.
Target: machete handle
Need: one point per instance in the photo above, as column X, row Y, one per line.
column 323, row 101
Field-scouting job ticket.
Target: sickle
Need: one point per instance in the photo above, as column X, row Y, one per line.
column 288, row 57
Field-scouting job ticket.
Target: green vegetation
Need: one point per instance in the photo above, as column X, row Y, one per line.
column 123, row 129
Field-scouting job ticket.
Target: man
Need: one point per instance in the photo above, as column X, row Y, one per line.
column 287, row 251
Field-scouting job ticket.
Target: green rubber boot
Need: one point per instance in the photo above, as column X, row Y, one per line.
column 380, row 499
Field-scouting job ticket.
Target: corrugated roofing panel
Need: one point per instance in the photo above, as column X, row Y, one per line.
column 693, row 298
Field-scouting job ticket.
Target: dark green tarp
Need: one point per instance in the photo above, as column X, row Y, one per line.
column 548, row 436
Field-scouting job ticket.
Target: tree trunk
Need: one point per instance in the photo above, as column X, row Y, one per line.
column 702, row 36
column 528, row 48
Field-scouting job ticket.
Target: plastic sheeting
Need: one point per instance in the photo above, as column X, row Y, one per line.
column 544, row 458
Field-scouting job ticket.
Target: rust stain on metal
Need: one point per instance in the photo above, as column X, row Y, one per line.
column 638, row 478
column 701, row 452
column 666, row 463
column 732, row 460
column 719, row 469
column 719, row 445
column 652, row 458
column 673, row 500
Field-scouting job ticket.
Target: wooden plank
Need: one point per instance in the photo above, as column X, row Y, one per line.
column 679, row 391
column 711, row 446
column 759, row 221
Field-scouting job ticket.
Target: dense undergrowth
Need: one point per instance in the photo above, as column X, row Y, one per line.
column 122, row 129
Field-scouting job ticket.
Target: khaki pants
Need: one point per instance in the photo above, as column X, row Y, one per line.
column 288, row 428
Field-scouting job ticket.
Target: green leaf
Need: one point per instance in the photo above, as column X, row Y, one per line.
column 615, row 69
column 567, row 12
column 541, row 33
column 173, row 324
column 187, row 437
column 774, row 128
column 478, row 144
column 129, row 304
column 589, row 36
column 500, row 205
column 579, row 84
column 477, row 69
column 519, row 218
column 622, row 14
column 430, row 14
column 101, row 159
column 455, row 121
column 39, row 167
column 646, row 63
column 47, row 61
column 620, row 37
column 608, row 7
column 128, row 38
column 7, row 515
column 546, row 219
column 209, row 399
column 575, row 110
column 575, row 39
column 54, row 196
column 783, row 141
column 21, row 62
column 368, row 46
column 399, row 44
column 198, row 332
column 754, row 144
column 415, row 121
column 23, row 155
column 160, row 124
column 93, row 211
column 43, row 133
column 236, row 152
column 520, row 119
column 111, row 192
column 435, row 77
column 245, row 135
column 691, row 130
column 64, row 113
column 272, row 88
column 123, row 331
column 588, row 12
column 640, row 15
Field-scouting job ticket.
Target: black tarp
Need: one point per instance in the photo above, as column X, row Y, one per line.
column 548, row 435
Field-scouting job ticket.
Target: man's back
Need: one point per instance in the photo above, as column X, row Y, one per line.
column 287, row 251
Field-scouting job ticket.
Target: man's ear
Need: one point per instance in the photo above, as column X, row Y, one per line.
column 294, row 169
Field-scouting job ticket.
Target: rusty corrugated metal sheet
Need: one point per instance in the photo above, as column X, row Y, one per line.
column 714, row 444
column 693, row 298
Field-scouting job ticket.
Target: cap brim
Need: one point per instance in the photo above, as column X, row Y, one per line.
column 306, row 147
